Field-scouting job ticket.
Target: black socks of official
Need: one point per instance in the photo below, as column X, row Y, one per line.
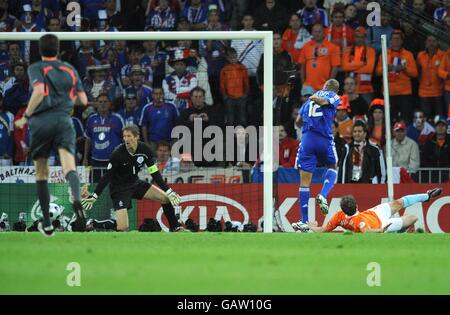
column 44, row 200
column 74, row 183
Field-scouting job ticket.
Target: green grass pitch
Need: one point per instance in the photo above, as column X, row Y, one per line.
column 224, row 263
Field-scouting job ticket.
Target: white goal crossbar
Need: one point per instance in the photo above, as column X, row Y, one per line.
column 265, row 36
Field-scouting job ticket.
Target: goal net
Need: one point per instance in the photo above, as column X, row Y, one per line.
column 220, row 168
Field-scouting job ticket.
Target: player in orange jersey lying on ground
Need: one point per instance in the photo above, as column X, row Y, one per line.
column 377, row 219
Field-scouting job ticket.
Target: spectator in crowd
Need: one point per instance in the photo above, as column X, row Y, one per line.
column 162, row 17
column 197, row 14
column 374, row 32
column 402, row 68
column 7, row 21
column 436, row 152
column 135, row 57
column 234, row 87
column 66, row 48
column 214, row 53
column 339, row 142
column 196, row 65
column 158, row 119
column 338, row 32
column 283, row 70
column 122, row 52
column 343, row 119
column 131, row 113
column 441, row 12
column 431, row 87
column 144, row 92
column 99, row 82
column 156, row 59
column 330, row 4
column 444, row 74
column 413, row 41
column 358, row 62
column 225, row 9
column 270, row 15
column 319, row 60
column 351, row 16
column 16, row 90
column 86, row 57
column 202, row 115
column 15, row 55
column 29, row 49
column 376, row 125
column 287, row 150
column 311, row 14
column 420, row 130
column 103, row 134
column 167, row 165
column 405, row 151
column 20, row 140
column 115, row 18
column 179, row 84
column 90, row 8
column 358, row 105
column 361, row 162
column 111, row 59
column 249, row 53
column 295, row 37
column 6, row 135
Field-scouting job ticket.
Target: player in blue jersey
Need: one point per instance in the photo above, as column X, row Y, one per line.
column 317, row 144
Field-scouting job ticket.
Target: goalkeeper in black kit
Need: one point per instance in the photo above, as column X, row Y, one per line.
column 122, row 176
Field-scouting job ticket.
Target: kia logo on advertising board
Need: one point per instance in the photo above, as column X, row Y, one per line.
column 201, row 207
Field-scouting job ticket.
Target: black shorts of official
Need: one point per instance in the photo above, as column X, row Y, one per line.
column 122, row 199
column 51, row 131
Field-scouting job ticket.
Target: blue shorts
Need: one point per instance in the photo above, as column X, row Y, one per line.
column 315, row 148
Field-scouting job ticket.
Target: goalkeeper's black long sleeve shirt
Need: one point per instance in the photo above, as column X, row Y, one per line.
column 123, row 169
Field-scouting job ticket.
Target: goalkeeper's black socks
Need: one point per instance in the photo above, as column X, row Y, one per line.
column 169, row 212
column 44, row 200
column 74, row 183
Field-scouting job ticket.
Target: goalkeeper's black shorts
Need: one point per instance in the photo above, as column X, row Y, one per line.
column 122, row 199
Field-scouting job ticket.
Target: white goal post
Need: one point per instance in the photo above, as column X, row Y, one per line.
column 265, row 36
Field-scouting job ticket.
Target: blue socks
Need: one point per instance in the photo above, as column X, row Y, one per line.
column 328, row 183
column 412, row 199
column 303, row 200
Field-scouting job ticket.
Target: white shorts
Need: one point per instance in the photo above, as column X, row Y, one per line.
column 384, row 213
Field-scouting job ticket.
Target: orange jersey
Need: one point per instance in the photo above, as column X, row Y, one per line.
column 430, row 85
column 319, row 60
column 399, row 82
column 444, row 69
column 234, row 80
column 359, row 62
column 293, row 42
column 341, row 37
column 356, row 223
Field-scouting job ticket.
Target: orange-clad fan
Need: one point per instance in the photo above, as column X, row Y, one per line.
column 431, row 86
column 376, row 130
column 295, row 37
column 287, row 150
column 359, row 62
column 338, row 32
column 345, row 124
column 378, row 219
column 401, row 69
column 319, row 59
column 444, row 74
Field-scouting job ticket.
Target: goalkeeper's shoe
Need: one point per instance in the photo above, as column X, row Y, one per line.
column 323, row 204
column 47, row 231
column 80, row 223
column 179, row 229
column 300, row 226
column 434, row 192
